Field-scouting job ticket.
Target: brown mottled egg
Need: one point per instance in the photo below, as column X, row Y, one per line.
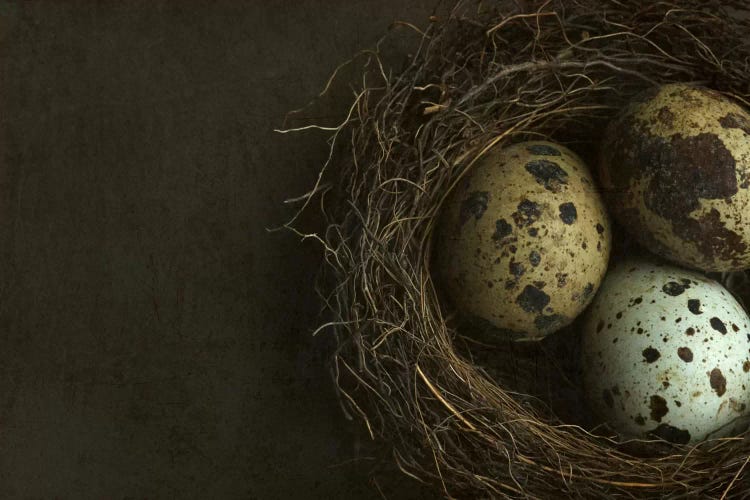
column 665, row 354
column 676, row 168
column 523, row 240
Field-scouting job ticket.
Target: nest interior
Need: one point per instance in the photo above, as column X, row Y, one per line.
column 486, row 74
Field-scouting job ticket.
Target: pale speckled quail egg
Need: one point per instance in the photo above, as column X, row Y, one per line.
column 524, row 239
column 666, row 354
column 676, row 167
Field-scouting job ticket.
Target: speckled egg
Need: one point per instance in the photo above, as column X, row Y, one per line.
column 666, row 354
column 523, row 241
column 676, row 169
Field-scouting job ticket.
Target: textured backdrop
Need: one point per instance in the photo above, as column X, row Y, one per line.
column 154, row 339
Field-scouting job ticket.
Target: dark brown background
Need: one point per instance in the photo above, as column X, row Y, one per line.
column 154, row 339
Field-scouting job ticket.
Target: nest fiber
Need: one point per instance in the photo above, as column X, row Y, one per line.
column 487, row 74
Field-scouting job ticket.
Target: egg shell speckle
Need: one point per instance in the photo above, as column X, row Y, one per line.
column 676, row 167
column 523, row 240
column 666, row 353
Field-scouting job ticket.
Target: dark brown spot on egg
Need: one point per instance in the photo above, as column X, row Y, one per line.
column 718, row 382
column 599, row 326
column 532, row 300
column 690, row 331
column 543, row 150
column 528, row 213
column 586, row 293
column 562, row 279
column 533, row 232
column 665, row 116
column 734, row 120
column 618, row 315
column 714, row 241
column 706, row 170
column 746, row 366
column 539, row 284
column 650, row 354
column 671, row 434
column 548, row 173
column 677, row 403
column 640, row 420
column 735, row 328
column 658, row 406
column 599, row 228
column 694, row 306
column 718, row 325
column 516, row 269
column 568, row 213
column 615, row 390
column 502, row 230
column 535, row 258
column 685, row 354
column 474, row 206
column 737, row 406
column 674, row 289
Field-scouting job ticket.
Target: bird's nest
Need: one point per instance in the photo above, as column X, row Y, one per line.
column 488, row 74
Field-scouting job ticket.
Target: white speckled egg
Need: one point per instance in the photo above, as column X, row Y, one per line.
column 666, row 354
column 523, row 241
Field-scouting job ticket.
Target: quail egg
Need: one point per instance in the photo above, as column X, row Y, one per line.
column 676, row 169
column 666, row 354
column 524, row 240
